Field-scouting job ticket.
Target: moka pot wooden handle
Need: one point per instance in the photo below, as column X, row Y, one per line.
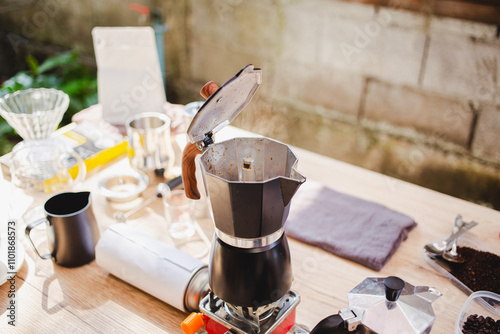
column 191, row 151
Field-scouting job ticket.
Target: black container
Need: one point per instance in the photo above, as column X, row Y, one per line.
column 72, row 230
column 250, row 277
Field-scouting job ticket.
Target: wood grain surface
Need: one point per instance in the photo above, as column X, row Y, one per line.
column 53, row 299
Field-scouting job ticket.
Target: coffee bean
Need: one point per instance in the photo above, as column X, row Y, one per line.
column 480, row 271
column 480, row 325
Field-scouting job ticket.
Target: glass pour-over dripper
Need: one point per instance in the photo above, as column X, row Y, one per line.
column 34, row 113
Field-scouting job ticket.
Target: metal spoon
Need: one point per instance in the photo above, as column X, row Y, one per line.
column 161, row 190
column 437, row 249
column 451, row 254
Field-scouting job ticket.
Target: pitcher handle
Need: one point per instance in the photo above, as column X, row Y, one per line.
column 82, row 169
column 31, row 226
column 191, row 151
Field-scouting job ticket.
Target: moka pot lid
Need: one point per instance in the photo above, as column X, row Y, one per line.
column 225, row 104
column 391, row 305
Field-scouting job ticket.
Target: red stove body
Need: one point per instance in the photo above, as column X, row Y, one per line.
column 277, row 318
column 213, row 327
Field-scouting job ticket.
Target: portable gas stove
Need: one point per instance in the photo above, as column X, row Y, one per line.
column 277, row 318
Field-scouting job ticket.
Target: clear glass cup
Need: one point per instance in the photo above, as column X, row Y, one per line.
column 183, row 228
column 180, row 215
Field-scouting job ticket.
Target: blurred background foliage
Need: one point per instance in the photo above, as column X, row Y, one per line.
column 63, row 72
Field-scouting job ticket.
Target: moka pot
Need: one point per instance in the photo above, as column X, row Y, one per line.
column 250, row 183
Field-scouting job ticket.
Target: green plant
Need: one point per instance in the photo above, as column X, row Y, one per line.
column 63, row 72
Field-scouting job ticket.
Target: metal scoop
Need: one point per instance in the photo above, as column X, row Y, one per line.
column 448, row 246
column 450, row 253
column 161, row 190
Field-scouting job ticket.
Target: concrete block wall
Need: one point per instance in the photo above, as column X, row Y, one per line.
column 434, row 75
column 400, row 92
column 412, row 95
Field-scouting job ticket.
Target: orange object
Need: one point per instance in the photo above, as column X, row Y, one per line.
column 192, row 323
column 143, row 10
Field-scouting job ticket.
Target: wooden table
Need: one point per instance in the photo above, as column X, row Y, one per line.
column 53, row 299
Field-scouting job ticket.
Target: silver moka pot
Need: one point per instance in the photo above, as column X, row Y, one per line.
column 384, row 306
column 250, row 183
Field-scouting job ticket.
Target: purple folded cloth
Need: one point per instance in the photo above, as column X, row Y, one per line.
column 364, row 232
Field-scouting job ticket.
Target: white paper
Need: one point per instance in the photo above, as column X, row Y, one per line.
column 129, row 79
column 149, row 264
